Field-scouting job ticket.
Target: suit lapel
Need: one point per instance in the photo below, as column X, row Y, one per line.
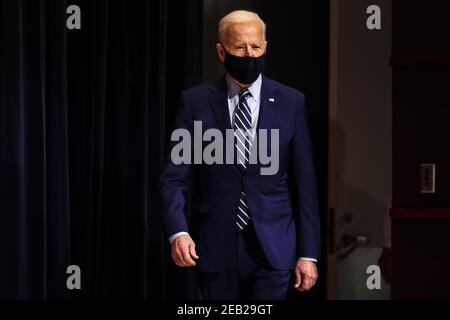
column 219, row 103
column 218, row 99
column 268, row 115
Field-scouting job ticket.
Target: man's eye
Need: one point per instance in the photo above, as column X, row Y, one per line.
column 256, row 47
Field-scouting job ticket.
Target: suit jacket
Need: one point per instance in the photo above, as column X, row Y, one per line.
column 285, row 219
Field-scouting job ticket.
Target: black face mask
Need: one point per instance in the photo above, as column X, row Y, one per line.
column 244, row 69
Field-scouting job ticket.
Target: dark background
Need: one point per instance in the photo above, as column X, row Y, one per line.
column 84, row 120
column 421, row 112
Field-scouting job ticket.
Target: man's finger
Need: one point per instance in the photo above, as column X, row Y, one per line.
column 192, row 251
column 177, row 259
column 179, row 262
column 180, row 253
column 306, row 285
column 187, row 258
column 298, row 278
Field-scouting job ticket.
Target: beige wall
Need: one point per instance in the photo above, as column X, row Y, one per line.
column 364, row 119
column 361, row 115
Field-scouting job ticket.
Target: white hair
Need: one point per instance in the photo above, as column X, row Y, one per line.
column 238, row 16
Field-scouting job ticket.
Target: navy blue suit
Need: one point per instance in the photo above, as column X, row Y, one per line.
column 285, row 221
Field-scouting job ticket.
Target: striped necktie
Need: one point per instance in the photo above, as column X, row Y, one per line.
column 243, row 143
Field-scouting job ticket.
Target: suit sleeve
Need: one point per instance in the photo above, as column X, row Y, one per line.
column 175, row 179
column 307, row 215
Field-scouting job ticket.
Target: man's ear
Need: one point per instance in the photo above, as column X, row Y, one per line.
column 220, row 52
column 265, row 49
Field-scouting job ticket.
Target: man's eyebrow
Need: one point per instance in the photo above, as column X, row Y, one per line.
column 243, row 44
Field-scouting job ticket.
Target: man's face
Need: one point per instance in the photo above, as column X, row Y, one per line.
column 243, row 39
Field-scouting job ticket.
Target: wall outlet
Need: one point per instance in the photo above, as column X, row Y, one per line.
column 427, row 178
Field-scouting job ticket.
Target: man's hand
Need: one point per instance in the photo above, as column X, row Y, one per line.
column 183, row 251
column 306, row 275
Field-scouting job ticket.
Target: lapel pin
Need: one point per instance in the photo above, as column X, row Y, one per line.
column 271, row 100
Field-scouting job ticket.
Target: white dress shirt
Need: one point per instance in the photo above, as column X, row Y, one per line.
column 253, row 101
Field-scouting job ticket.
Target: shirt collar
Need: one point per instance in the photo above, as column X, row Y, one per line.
column 254, row 88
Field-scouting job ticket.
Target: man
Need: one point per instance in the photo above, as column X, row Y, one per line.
column 247, row 231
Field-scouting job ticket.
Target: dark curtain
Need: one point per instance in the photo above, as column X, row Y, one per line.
column 84, row 119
